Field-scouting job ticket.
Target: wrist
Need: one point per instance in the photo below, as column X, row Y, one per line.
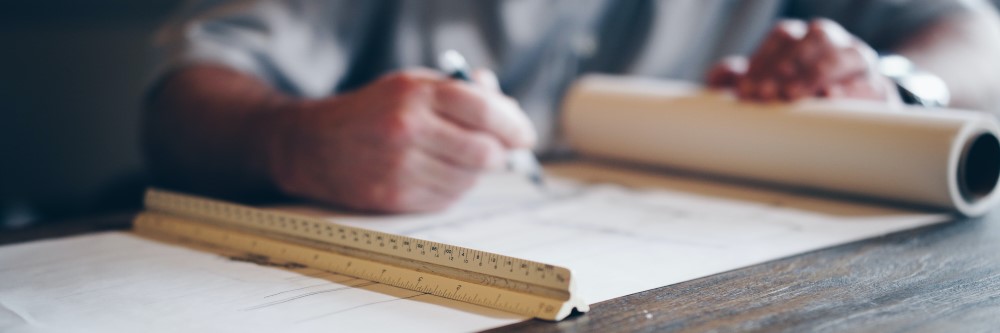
column 276, row 132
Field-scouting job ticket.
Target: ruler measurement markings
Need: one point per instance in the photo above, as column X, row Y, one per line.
column 174, row 201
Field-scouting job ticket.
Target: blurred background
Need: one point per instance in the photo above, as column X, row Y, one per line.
column 72, row 74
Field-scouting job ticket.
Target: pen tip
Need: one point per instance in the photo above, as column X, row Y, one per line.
column 538, row 179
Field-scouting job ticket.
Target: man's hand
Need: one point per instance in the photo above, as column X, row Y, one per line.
column 799, row 60
column 411, row 141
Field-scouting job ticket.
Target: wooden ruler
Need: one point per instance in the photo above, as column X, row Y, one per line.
column 506, row 283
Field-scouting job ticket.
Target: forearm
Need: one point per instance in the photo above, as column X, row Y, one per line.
column 963, row 50
column 212, row 130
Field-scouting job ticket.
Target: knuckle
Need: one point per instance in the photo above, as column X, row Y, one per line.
column 829, row 32
column 399, row 126
column 403, row 84
column 789, row 29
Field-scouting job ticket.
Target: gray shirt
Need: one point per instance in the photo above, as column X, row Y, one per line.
column 317, row 48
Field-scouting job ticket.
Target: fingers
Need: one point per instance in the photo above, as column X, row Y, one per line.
column 486, row 78
column 477, row 108
column 799, row 60
column 461, row 147
column 417, row 74
column 411, row 141
column 864, row 87
column 727, row 72
column 828, row 54
column 431, row 184
column 448, row 155
column 770, row 64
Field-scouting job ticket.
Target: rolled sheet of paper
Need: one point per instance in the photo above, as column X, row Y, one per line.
column 946, row 159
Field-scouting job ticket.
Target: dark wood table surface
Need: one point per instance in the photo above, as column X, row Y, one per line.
column 942, row 278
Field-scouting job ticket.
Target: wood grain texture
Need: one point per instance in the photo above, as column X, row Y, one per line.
column 943, row 278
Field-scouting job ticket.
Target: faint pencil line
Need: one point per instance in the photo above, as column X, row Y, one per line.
column 78, row 293
column 358, row 307
column 291, row 290
column 320, row 275
column 273, row 303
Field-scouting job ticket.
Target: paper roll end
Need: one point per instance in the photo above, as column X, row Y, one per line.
column 979, row 169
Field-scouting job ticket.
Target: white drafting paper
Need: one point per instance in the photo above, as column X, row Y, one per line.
column 624, row 231
column 120, row 282
column 620, row 231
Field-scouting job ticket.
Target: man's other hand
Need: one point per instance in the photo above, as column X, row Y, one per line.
column 799, row 60
column 410, row 141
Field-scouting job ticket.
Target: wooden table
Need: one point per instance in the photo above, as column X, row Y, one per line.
column 943, row 278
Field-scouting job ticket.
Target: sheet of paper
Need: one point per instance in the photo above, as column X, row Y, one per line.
column 620, row 231
column 623, row 231
column 120, row 282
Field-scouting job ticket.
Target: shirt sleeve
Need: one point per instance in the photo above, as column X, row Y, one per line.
column 299, row 47
column 880, row 23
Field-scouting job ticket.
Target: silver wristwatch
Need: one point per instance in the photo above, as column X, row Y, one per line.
column 916, row 87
